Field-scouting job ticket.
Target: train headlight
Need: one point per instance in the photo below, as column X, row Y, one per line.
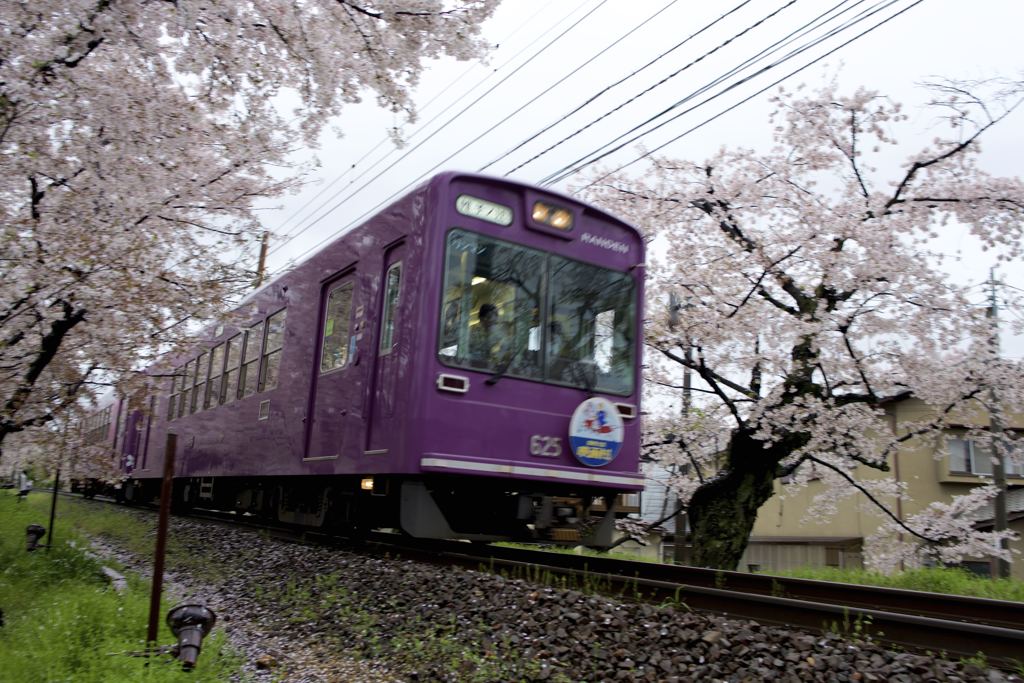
column 555, row 216
column 366, row 484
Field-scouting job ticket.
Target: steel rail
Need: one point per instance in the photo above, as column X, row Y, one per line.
column 989, row 611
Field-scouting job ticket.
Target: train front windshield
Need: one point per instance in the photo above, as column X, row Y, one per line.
column 520, row 312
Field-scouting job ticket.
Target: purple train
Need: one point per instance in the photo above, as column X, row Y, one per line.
column 464, row 364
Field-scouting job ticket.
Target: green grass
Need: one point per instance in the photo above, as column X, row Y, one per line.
column 934, row 580
column 63, row 622
column 134, row 533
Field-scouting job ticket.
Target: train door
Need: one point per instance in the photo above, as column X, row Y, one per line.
column 389, row 358
column 330, row 400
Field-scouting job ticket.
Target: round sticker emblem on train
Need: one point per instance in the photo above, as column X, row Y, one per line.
column 595, row 432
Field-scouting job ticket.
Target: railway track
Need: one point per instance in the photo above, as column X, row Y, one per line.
column 949, row 625
column 946, row 625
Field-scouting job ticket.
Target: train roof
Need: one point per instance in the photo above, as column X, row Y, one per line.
column 437, row 179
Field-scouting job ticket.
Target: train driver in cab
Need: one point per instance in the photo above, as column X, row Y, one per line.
column 488, row 343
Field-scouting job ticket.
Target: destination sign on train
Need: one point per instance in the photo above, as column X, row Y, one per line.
column 483, row 209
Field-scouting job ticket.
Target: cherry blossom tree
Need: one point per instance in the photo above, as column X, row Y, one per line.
column 811, row 292
column 135, row 137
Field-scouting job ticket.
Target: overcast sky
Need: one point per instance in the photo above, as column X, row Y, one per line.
column 554, row 56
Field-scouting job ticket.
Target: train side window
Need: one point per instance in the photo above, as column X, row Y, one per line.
column 202, row 370
column 186, row 387
column 172, row 397
column 272, row 350
column 248, row 375
column 212, row 397
column 229, row 387
column 179, row 385
column 336, row 321
column 392, row 290
column 143, row 448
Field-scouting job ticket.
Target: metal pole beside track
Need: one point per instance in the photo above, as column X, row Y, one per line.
column 53, row 507
column 161, row 539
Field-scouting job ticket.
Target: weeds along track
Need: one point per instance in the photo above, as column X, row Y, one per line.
column 947, row 625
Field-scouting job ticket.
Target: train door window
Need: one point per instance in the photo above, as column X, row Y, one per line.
column 248, row 374
column 202, row 370
column 392, row 289
column 334, row 353
column 271, row 365
column 229, row 386
column 216, row 372
column 186, row 387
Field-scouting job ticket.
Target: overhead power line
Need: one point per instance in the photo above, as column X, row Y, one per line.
column 384, row 139
column 821, row 18
column 551, row 42
column 622, row 80
column 529, row 102
column 408, row 186
column 791, row 55
column 750, row 97
column 818, row 22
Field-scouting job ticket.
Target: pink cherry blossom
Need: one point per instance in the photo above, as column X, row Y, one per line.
column 135, row 138
column 810, row 295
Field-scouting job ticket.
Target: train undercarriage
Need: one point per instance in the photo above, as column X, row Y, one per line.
column 422, row 507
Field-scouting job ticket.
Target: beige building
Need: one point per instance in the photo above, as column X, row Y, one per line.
column 933, row 470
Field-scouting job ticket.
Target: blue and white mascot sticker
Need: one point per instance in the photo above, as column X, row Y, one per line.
column 595, row 432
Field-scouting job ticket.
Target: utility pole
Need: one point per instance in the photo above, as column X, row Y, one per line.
column 262, row 264
column 680, row 554
column 995, row 411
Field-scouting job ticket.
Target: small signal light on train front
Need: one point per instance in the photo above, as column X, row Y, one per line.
column 366, row 484
column 554, row 216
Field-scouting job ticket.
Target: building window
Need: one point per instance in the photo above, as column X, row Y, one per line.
column 213, row 392
column 229, row 387
column 969, row 457
column 271, row 366
column 336, row 318
column 248, row 376
column 1014, row 458
column 393, row 285
column 980, row 568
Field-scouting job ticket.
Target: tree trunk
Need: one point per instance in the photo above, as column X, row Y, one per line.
column 722, row 511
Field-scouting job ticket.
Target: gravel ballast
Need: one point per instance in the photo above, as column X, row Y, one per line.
column 306, row 613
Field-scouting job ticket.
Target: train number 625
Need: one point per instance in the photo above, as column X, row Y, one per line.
column 545, row 446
